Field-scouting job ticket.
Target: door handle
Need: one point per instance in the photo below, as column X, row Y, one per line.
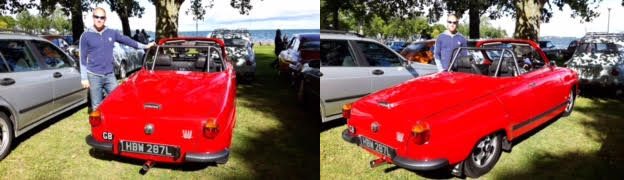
column 7, row 81
column 532, row 84
column 57, row 75
column 378, row 72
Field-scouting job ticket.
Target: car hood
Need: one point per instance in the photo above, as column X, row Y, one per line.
column 421, row 97
column 179, row 94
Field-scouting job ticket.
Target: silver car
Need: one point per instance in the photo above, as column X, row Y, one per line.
column 38, row 81
column 353, row 66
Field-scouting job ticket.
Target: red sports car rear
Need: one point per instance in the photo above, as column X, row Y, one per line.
column 178, row 108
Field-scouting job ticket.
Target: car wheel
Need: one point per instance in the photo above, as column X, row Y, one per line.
column 6, row 135
column 570, row 104
column 483, row 156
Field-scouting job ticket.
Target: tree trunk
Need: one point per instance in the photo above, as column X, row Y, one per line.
column 475, row 20
column 77, row 24
column 528, row 14
column 167, row 18
column 125, row 25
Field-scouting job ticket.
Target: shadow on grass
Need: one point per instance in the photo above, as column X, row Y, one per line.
column 106, row 156
column 333, row 124
column 18, row 140
column 288, row 151
column 606, row 163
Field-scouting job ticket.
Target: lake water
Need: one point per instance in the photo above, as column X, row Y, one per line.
column 264, row 36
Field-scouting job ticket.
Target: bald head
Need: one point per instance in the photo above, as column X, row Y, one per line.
column 99, row 18
column 452, row 23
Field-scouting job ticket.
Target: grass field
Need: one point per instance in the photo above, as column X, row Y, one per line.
column 274, row 138
column 589, row 144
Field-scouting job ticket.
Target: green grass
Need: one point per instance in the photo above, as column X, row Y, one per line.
column 274, row 138
column 586, row 145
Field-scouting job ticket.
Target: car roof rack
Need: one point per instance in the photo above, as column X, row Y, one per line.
column 341, row 32
column 603, row 34
column 10, row 31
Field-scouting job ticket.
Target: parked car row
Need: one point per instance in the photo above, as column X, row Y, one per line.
column 127, row 59
column 459, row 119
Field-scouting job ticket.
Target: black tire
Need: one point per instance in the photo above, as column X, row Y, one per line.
column 570, row 104
column 6, row 135
column 483, row 156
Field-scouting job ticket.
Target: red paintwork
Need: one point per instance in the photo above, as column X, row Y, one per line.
column 461, row 108
column 188, row 100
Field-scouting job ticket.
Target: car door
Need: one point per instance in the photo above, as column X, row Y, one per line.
column 386, row 67
column 342, row 80
column 546, row 85
column 67, row 89
column 26, row 86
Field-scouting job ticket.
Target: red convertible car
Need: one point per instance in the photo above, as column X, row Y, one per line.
column 462, row 118
column 179, row 107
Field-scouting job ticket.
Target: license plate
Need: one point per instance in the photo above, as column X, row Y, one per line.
column 147, row 148
column 376, row 146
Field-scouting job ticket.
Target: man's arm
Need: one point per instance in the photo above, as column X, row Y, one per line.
column 82, row 46
column 120, row 38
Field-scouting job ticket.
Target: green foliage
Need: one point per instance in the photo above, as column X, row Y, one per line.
column 7, row 22
column 42, row 24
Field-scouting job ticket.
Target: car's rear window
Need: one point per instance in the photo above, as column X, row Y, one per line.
column 185, row 57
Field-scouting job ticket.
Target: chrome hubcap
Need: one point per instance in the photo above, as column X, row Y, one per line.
column 570, row 102
column 4, row 136
column 484, row 152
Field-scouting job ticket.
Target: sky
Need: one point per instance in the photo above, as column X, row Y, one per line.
column 562, row 24
column 265, row 14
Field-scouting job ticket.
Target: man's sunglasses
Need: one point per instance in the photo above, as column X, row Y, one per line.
column 99, row 17
column 452, row 22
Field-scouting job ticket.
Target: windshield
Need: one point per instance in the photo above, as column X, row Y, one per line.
column 235, row 42
column 311, row 46
column 185, row 58
column 597, row 48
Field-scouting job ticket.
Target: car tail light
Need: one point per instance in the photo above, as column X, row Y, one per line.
column 421, row 133
column 346, row 111
column 615, row 72
column 95, row 118
column 211, row 128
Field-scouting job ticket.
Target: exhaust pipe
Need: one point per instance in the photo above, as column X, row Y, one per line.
column 377, row 162
column 146, row 167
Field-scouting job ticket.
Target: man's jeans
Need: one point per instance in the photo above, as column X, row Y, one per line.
column 99, row 85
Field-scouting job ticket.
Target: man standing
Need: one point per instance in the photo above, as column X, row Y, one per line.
column 446, row 44
column 96, row 57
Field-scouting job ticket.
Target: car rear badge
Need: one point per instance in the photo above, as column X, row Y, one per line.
column 386, row 105
column 375, row 127
column 187, row 134
column 151, row 106
column 149, row 129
